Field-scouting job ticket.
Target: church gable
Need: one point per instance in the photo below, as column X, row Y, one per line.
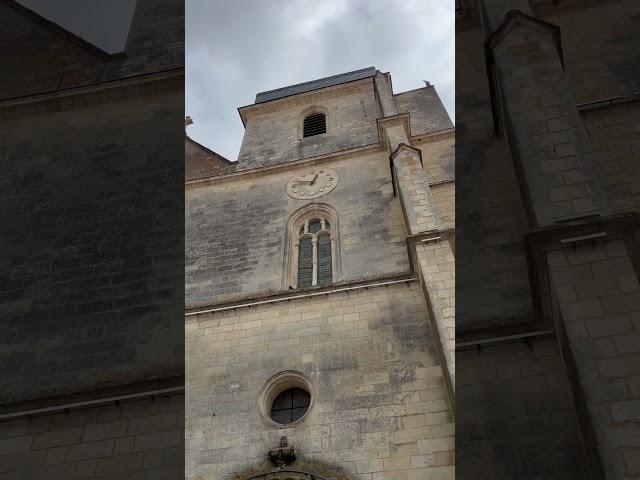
column 40, row 45
column 62, row 60
column 425, row 109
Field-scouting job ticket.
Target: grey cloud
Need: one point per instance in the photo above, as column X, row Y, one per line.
column 235, row 49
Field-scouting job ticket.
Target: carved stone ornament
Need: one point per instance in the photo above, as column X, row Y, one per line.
column 283, row 455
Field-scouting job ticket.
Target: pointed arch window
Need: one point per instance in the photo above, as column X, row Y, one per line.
column 314, row 253
column 313, row 248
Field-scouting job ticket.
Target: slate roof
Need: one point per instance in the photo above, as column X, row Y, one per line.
column 315, row 84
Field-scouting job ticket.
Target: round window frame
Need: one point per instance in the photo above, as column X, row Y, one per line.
column 277, row 384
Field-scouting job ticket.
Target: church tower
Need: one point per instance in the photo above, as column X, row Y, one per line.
column 320, row 288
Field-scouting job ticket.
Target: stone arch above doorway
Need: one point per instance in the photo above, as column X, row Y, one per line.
column 301, row 470
column 286, row 475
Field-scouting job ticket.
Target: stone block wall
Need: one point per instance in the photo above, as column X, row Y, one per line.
column 426, row 110
column 599, row 296
column 91, row 272
column 599, row 40
column 614, row 133
column 515, row 416
column 444, row 196
column 91, row 290
column 379, row 410
column 155, row 44
column 436, row 267
column 136, row 440
column 200, row 162
column 415, row 194
column 274, row 131
column 438, row 157
column 236, row 228
column 491, row 266
column 523, row 419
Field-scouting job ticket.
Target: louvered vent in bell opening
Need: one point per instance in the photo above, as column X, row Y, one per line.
column 314, row 124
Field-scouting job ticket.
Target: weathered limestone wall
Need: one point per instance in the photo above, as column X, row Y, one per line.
column 514, row 413
column 515, row 417
column 91, row 275
column 236, row 229
column 380, row 408
column 415, row 194
column 92, row 292
column 546, row 138
column 615, row 138
column 426, row 110
column 274, row 131
column 438, row 157
column 203, row 163
column 142, row 439
column 444, row 195
column 155, row 44
column 433, row 263
column 436, row 267
column 571, row 157
column 600, row 43
column 599, row 296
column 491, row 265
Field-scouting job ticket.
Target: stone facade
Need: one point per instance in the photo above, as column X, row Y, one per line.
column 91, row 274
column 200, row 162
column 140, row 439
column 547, row 224
column 375, row 347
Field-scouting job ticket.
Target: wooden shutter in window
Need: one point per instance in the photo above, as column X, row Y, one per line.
column 305, row 263
column 324, row 260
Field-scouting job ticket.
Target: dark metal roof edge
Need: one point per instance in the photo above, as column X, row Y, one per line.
column 314, row 85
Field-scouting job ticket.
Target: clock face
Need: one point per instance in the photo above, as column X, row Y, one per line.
column 312, row 183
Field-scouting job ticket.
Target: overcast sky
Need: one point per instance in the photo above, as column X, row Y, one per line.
column 235, row 49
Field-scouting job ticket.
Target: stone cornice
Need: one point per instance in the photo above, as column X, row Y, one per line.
column 608, row 102
column 500, row 338
column 434, row 136
column 431, row 235
column 286, row 295
column 373, row 148
column 444, row 233
column 91, row 95
column 571, row 232
column 402, row 119
column 93, row 398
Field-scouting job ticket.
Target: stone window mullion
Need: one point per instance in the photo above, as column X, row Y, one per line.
column 314, row 256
